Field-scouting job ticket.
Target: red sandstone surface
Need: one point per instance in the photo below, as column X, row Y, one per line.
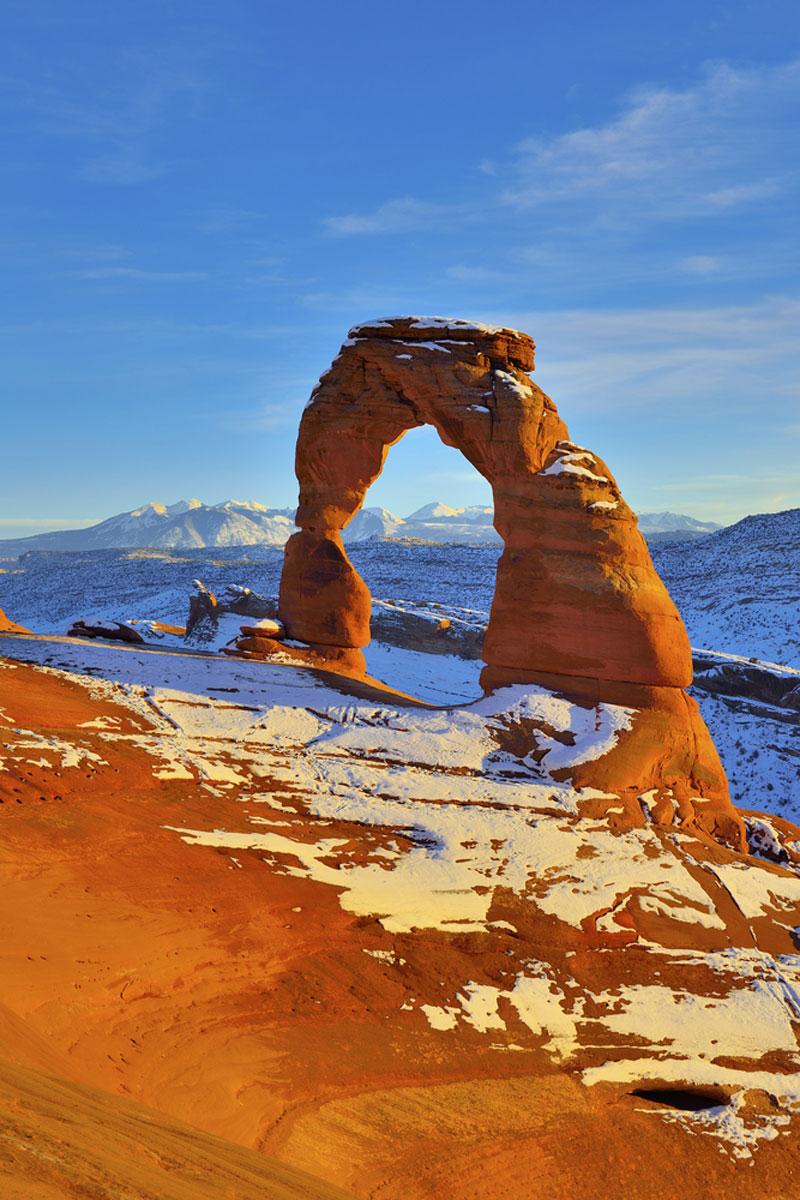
column 300, row 920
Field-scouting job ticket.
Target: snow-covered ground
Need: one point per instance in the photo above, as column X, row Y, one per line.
column 50, row 591
column 737, row 591
column 435, row 678
column 760, row 750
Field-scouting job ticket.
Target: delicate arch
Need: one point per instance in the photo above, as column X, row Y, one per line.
column 576, row 595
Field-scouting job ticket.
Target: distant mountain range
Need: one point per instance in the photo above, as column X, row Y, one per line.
column 673, row 527
column 187, row 525
column 435, row 522
column 190, row 525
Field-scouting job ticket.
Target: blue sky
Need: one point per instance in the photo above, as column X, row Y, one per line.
column 199, row 200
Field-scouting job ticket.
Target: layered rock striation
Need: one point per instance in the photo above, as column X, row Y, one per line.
column 578, row 606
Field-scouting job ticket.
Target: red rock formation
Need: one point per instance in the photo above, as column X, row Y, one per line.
column 328, row 599
column 7, row 626
column 578, row 605
column 111, row 630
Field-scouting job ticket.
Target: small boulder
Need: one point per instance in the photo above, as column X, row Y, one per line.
column 266, row 627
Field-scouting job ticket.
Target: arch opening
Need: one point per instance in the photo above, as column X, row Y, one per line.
column 421, row 469
column 432, row 581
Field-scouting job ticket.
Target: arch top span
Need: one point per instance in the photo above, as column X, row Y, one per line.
column 469, row 381
column 576, row 595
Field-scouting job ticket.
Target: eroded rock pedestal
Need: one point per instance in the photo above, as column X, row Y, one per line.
column 578, row 607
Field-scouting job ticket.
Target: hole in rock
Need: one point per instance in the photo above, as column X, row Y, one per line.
column 436, row 572
column 686, row 1099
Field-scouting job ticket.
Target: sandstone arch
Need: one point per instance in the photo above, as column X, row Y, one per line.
column 578, row 607
column 576, row 593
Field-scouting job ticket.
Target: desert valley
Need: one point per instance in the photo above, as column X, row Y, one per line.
column 397, row 864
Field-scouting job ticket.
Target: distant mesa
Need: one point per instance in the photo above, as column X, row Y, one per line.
column 578, row 607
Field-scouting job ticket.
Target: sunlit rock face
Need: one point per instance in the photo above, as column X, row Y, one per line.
column 576, row 591
column 578, row 606
column 9, row 626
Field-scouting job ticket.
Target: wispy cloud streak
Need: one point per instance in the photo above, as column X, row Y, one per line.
column 672, row 153
column 669, row 154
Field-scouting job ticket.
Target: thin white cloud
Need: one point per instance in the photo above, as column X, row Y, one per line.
column 124, row 167
column 700, row 264
column 359, row 304
column 135, row 273
column 669, row 154
column 232, row 220
column 727, row 497
column 743, row 193
column 406, row 215
column 267, row 415
column 36, row 523
column 672, row 153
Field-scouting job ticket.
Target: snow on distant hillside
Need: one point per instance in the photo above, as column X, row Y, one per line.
column 431, row 512
column 182, row 506
column 738, row 590
column 372, row 522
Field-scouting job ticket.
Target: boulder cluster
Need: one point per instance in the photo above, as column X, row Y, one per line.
column 206, row 609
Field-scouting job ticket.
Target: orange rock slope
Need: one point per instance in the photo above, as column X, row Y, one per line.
column 578, row 606
column 375, row 942
column 7, row 626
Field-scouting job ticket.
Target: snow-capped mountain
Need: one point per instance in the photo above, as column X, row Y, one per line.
column 438, row 522
column 177, row 510
column 372, row 522
column 673, row 527
column 435, row 511
column 231, row 523
column 190, row 524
